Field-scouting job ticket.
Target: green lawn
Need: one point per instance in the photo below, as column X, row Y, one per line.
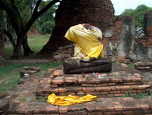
column 10, row 73
column 36, row 43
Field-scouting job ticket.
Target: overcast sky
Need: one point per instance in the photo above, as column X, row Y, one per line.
column 121, row 5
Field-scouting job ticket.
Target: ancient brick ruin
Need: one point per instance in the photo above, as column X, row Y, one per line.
column 120, row 42
column 118, row 34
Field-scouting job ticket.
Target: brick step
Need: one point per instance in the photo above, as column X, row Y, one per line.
column 98, row 91
column 58, row 79
column 107, row 81
column 101, row 106
column 63, row 81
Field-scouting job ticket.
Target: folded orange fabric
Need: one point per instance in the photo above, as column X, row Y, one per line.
column 69, row 100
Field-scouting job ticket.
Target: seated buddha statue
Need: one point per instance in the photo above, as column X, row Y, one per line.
column 88, row 50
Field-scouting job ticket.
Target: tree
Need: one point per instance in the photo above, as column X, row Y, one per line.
column 47, row 27
column 138, row 14
column 20, row 27
column 46, row 22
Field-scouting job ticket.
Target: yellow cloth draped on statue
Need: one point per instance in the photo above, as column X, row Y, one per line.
column 87, row 40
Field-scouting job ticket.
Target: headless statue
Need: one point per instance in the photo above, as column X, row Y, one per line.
column 88, row 49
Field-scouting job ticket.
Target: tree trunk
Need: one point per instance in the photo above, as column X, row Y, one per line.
column 17, row 49
column 21, row 41
column 26, row 48
column 99, row 13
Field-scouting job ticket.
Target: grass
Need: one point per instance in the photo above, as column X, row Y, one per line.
column 35, row 42
column 42, row 99
column 23, row 99
column 131, row 65
column 10, row 73
column 138, row 95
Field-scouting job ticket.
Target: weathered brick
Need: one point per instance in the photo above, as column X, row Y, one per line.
column 87, row 85
column 62, row 90
column 143, row 86
column 50, row 70
column 130, row 83
column 102, row 93
column 77, row 107
column 46, row 86
column 117, row 80
column 134, row 87
column 112, row 113
column 58, row 80
column 136, row 79
column 81, row 80
column 94, row 81
column 101, row 107
column 53, row 109
column 96, row 113
column 113, row 88
column 54, row 90
column 119, row 95
column 137, row 74
column 90, row 106
column 69, row 80
column 94, row 93
column 122, row 88
column 73, row 89
column 117, row 106
column 80, row 93
column 72, row 93
column 63, row 109
column 58, row 73
column 128, row 112
column 53, row 86
column 51, row 76
column 101, row 85
column 103, row 89
column 110, row 95
column 112, row 84
column 42, row 81
column 144, row 106
column 88, row 89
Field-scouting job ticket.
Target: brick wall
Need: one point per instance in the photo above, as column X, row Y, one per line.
column 123, row 33
column 148, row 24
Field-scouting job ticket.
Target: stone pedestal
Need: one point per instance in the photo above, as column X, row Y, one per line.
column 78, row 66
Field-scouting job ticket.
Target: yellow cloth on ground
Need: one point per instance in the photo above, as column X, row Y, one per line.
column 69, row 100
column 87, row 40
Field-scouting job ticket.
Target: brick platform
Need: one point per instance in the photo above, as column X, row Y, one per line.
column 24, row 100
column 110, row 84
